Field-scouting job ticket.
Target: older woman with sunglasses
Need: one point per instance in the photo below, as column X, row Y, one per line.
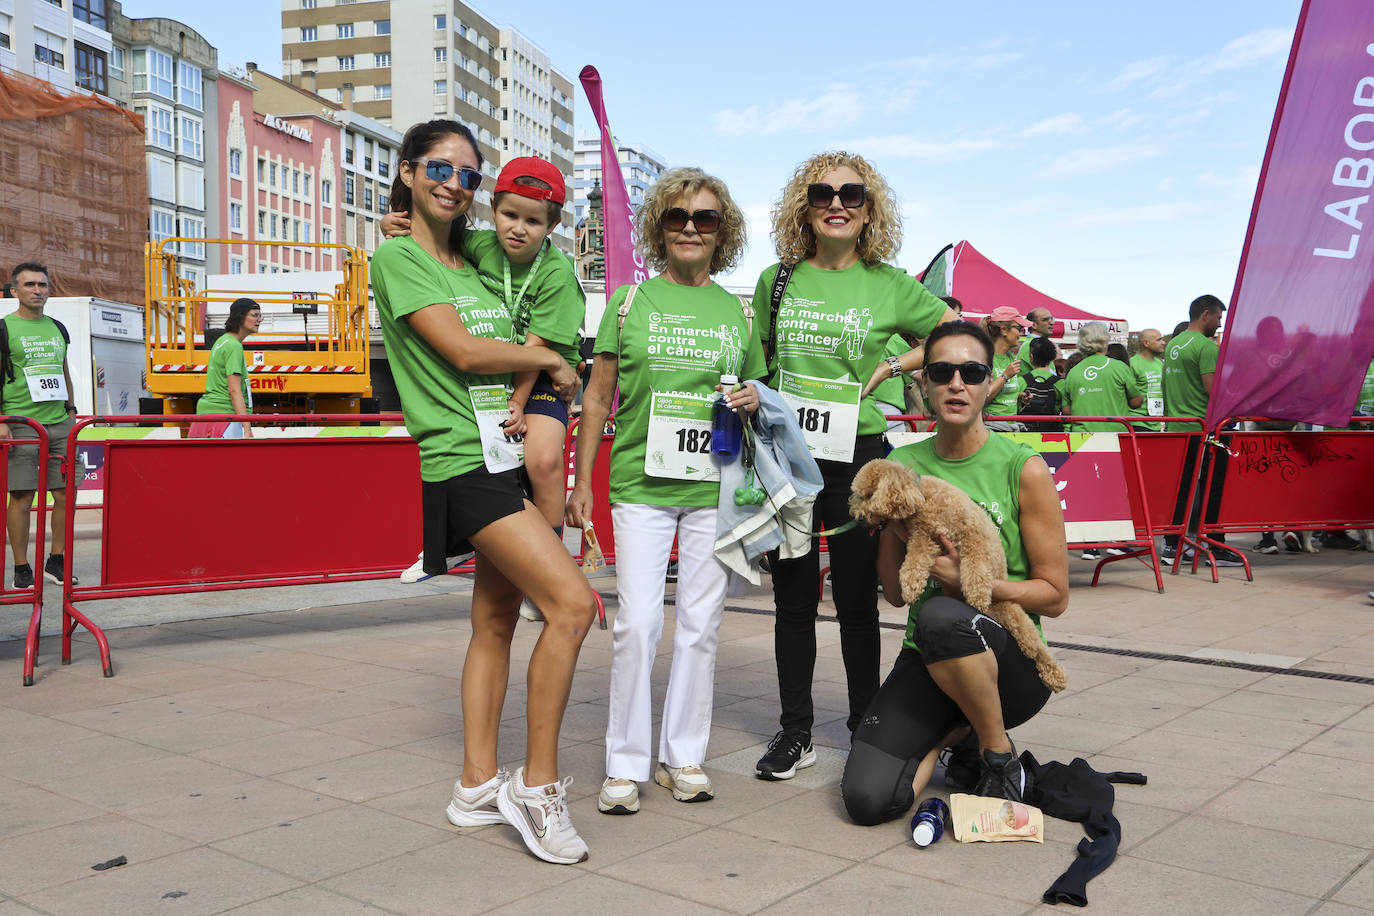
column 666, row 343
column 829, row 309
column 960, row 679
column 450, row 345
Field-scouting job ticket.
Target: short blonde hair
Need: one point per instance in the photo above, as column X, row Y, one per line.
column 671, row 187
column 793, row 237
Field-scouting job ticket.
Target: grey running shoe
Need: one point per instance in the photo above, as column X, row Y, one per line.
column 788, row 752
column 618, row 796
column 477, row 806
column 688, row 784
column 541, row 816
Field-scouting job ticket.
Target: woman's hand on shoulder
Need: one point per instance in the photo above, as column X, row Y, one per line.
column 397, row 223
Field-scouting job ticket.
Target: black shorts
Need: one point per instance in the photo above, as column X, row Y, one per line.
column 544, row 401
column 455, row 509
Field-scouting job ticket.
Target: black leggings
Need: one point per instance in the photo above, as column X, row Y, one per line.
column 911, row 715
column 854, row 587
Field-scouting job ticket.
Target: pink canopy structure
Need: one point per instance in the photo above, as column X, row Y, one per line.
column 968, row 275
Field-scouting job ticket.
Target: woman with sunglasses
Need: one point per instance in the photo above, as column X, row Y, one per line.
column 960, row 679
column 666, row 343
column 449, row 342
column 826, row 330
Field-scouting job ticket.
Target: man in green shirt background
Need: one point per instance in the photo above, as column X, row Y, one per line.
column 1149, row 365
column 1041, row 324
column 35, row 384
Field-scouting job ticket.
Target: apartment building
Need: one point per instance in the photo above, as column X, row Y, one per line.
column 639, row 165
column 67, row 43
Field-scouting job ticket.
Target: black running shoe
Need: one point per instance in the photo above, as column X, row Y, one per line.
column 1003, row 777
column 788, row 752
column 963, row 766
column 1225, row 556
column 54, row 568
column 23, row 576
column 1340, row 540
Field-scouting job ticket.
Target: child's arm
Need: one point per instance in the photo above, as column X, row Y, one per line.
column 394, row 224
column 524, row 383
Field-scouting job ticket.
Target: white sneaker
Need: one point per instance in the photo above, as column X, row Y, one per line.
column 476, row 807
column 530, row 612
column 689, row 783
column 618, row 796
column 541, row 816
column 416, row 571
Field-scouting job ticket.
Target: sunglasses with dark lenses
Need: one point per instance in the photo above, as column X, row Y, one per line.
column 441, row 170
column 851, row 195
column 675, row 219
column 972, row 373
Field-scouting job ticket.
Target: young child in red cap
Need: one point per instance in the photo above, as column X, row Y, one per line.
column 538, row 283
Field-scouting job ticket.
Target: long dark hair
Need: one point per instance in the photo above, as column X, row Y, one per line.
column 418, row 141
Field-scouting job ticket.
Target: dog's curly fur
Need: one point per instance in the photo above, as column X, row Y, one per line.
column 886, row 491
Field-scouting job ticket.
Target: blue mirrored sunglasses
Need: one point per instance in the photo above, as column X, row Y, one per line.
column 441, row 170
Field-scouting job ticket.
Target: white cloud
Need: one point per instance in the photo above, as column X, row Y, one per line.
column 1136, row 71
column 1254, row 48
column 1059, row 124
column 1243, row 181
column 1149, row 213
column 1095, row 160
column 837, row 107
column 905, row 146
column 1124, row 119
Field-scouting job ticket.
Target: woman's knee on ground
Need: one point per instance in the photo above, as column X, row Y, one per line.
column 876, row 786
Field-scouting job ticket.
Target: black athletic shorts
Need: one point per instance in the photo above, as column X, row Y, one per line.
column 456, row 509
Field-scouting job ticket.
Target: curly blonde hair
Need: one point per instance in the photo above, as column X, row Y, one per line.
column 793, row 237
column 671, row 188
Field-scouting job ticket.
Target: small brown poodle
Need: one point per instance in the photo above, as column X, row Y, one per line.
column 887, row 491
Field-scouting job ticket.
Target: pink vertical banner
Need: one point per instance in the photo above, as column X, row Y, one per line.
column 1300, row 329
column 623, row 264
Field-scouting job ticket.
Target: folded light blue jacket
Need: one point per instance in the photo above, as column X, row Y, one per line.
column 784, row 468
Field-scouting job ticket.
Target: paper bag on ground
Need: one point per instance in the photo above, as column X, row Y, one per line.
column 994, row 820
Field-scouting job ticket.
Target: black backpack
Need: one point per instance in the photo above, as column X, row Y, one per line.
column 1039, row 399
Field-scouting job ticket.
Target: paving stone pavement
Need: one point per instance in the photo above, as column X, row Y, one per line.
column 296, row 757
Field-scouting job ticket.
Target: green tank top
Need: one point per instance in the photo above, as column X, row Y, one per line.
column 992, row 478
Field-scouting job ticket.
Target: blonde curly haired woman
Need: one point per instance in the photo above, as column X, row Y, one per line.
column 838, row 302
column 666, row 350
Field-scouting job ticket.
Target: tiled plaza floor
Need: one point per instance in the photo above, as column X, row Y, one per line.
column 299, row 762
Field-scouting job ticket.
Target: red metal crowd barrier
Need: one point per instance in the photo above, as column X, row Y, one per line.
column 33, row 594
column 189, row 515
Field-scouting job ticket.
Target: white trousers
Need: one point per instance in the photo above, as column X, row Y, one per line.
column 643, row 543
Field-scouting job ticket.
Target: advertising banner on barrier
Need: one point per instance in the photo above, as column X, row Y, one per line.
column 622, row 264
column 1300, row 330
column 1088, row 475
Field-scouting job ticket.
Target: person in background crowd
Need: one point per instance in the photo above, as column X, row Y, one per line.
column 226, row 377
column 1041, row 324
column 1004, row 327
column 1041, row 395
column 1149, row 366
column 1118, row 352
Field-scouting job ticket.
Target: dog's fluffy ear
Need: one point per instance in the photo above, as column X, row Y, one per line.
column 883, row 490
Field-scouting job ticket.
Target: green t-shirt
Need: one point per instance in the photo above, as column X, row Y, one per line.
column 1187, row 358
column 893, row 391
column 677, row 342
column 553, row 303
column 226, row 359
column 1007, row 403
column 991, row 477
column 1023, row 353
column 836, row 324
column 37, row 352
column 1150, row 372
column 1366, row 404
column 1099, row 386
column 434, row 392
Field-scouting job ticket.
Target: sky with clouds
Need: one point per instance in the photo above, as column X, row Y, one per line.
column 1107, row 154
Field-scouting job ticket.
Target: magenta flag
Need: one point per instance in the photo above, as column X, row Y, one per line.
column 623, row 263
column 1300, row 329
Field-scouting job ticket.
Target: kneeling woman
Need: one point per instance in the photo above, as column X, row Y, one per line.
column 957, row 667
column 450, row 345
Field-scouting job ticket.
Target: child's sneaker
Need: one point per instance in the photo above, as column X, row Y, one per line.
column 416, row 571
column 541, row 815
column 476, row 807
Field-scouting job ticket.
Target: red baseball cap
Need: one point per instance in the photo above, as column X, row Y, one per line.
column 532, row 167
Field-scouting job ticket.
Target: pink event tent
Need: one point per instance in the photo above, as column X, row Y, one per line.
column 965, row 273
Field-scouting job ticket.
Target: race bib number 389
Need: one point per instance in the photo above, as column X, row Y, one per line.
column 679, row 441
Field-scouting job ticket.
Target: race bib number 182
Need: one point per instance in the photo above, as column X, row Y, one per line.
column 679, row 441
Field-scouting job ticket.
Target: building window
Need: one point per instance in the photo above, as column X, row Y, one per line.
column 262, row 223
column 345, row 30
column 262, row 170
column 348, row 155
column 236, row 217
column 307, row 186
column 327, row 235
column 308, row 4
column 367, row 163
column 272, row 226
column 381, row 59
column 193, row 227
column 383, row 164
column 295, row 181
column 162, row 180
column 346, row 62
column 440, row 22
column 441, row 87
column 295, row 229
column 190, row 135
column 188, row 86
column 305, row 233
column 272, row 175
column 440, row 55
column 236, row 265
column 49, row 49
column 348, row 191
column 310, row 33
column 153, row 72
column 191, row 184
column 326, row 192
column 158, row 119
column 6, row 27
column 383, row 26
column 161, row 225
column 383, row 201
column 382, row 92
column 90, row 69
column 367, row 198
column 236, row 163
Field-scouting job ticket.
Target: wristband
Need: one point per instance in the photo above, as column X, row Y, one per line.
column 895, row 364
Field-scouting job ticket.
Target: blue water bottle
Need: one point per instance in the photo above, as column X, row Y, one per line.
column 928, row 823
column 726, row 428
